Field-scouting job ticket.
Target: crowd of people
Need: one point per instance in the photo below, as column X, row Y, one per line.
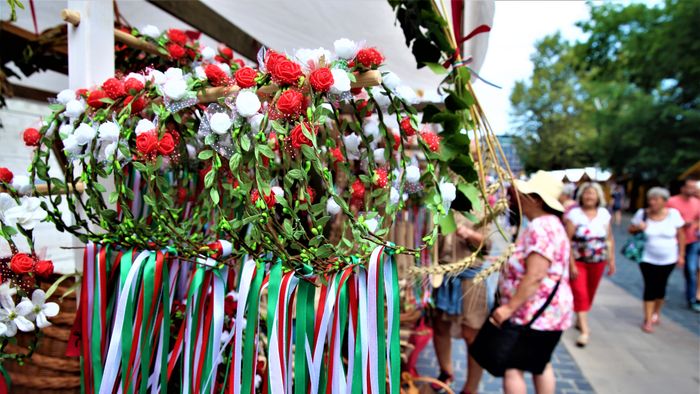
column 564, row 245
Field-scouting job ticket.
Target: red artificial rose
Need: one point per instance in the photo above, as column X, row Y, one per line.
column 133, row 85
column 31, row 137
column 44, row 268
column 238, row 62
column 137, row 105
column 175, row 51
column 355, row 91
column 21, row 263
column 272, row 141
column 362, row 104
column 147, row 142
column 407, row 127
column 337, row 155
column 291, row 103
column 270, row 199
column 114, row 88
column 381, row 177
column 6, row 175
column 82, row 92
column 226, row 52
column 312, row 194
column 321, row 79
column 245, row 77
column 369, row 57
column 95, row 99
column 298, row 138
column 272, row 58
column 358, row 189
column 215, row 75
column 177, row 36
column 431, row 139
column 397, row 141
column 166, row 145
column 181, row 195
column 286, row 72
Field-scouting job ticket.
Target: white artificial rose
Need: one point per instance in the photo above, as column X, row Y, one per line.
column 277, row 191
column 256, row 122
column 65, row 130
column 412, row 174
column 173, row 73
column 394, row 196
column 199, row 73
column 136, row 76
column 108, row 131
column 220, row 123
column 175, row 89
column 448, row 191
column 225, row 68
column 379, row 156
column 345, row 48
column 371, row 128
column 352, row 143
column 84, row 134
column 157, row 77
column 65, row 96
column 150, row 31
column 391, row 80
column 341, row 82
column 143, row 126
column 74, row 108
column 407, row 94
column 208, row 53
column 382, row 99
column 332, row 207
column 70, row 145
column 27, row 214
column 109, row 150
column 21, row 184
column 372, row 224
column 313, row 56
column 247, row 103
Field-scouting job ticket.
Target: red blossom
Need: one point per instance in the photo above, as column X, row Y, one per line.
column 44, row 268
column 6, row 175
column 166, row 145
column 272, row 141
column 95, row 99
column 337, row 155
column 297, row 136
column 397, row 141
column 133, row 85
column 291, row 103
column 245, row 77
column 137, row 105
column 321, row 79
column 215, row 75
column 358, row 190
column 381, row 178
column 370, row 57
column 181, row 195
column 31, row 137
column 147, row 143
column 407, row 127
column 177, row 36
column 226, row 52
column 114, row 88
column 21, row 263
column 431, row 139
column 286, row 72
column 175, row 51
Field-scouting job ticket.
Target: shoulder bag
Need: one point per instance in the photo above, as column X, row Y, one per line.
column 633, row 248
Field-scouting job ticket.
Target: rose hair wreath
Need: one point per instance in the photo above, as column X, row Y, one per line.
column 234, row 215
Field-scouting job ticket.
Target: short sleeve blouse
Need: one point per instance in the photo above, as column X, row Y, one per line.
column 546, row 236
column 586, row 227
column 661, row 245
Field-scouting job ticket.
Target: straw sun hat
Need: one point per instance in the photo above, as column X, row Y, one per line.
column 544, row 185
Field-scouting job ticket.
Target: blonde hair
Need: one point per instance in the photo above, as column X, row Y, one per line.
column 591, row 185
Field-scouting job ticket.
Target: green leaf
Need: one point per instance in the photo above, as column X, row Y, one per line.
column 265, row 150
column 234, row 162
column 205, row 154
column 288, row 227
column 436, row 68
column 245, row 143
column 295, row 174
column 56, row 107
column 470, row 191
column 214, row 194
column 99, row 187
column 447, row 224
column 454, row 102
column 209, row 179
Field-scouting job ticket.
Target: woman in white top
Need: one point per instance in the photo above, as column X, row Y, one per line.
column 588, row 227
column 663, row 228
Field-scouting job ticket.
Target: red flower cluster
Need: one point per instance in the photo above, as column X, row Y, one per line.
column 397, row 141
column 21, row 263
column 337, row 155
column 431, row 139
column 6, row 175
column 381, row 178
column 215, row 75
column 94, row 98
column 358, row 189
column 272, row 141
column 148, row 144
column 245, row 77
column 370, row 57
column 177, row 36
column 269, row 199
column 291, row 103
column 407, row 127
column 133, row 85
column 226, row 53
column 31, row 137
column 175, row 51
column 321, row 79
column 297, row 136
column 312, row 195
column 114, row 88
column 283, row 70
column 136, row 105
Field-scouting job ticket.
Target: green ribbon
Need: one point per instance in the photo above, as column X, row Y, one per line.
column 304, row 320
column 381, row 344
column 147, row 320
column 165, row 299
column 128, row 326
column 96, row 338
column 249, row 332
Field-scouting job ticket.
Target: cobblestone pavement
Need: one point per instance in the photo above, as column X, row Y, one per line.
column 629, row 278
column 570, row 380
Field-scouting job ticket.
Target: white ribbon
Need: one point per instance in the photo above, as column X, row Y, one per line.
column 246, row 279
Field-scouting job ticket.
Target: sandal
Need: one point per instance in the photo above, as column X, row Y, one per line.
column 444, row 377
column 655, row 319
column 582, row 340
column 647, row 327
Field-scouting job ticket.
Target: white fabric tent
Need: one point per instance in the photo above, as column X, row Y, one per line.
column 288, row 25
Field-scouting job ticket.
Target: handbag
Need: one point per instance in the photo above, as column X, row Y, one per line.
column 633, row 248
column 493, row 344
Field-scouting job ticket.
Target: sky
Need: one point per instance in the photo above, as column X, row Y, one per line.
column 516, row 27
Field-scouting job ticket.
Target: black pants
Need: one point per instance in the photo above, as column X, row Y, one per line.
column 655, row 280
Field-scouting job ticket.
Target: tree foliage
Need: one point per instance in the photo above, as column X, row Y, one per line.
column 626, row 97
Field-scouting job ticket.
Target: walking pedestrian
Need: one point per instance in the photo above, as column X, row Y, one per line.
column 589, row 228
column 534, row 286
column 461, row 305
column 618, row 198
column 663, row 249
column 689, row 207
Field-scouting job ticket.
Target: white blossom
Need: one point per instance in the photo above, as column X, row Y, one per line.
column 345, row 48
column 379, row 156
column 225, row 68
column 352, row 146
column 109, row 151
column 42, row 310
column 157, row 77
column 150, row 31
column 412, row 174
column 220, row 123
column 70, row 145
column 382, row 99
column 332, row 207
column 175, row 89
column 108, row 131
column 341, row 82
column 65, row 96
column 448, row 191
column 15, row 317
column 74, row 108
column 65, row 130
column 27, row 214
column 136, row 76
column 371, row 128
column 84, row 134
column 21, row 184
column 407, row 94
column 208, row 53
column 173, row 73
column 199, row 73
column 372, row 224
column 307, row 56
column 191, row 151
column 6, row 290
column 256, row 121
column 247, row 103
column 394, row 196
column 391, row 80
column 144, row 125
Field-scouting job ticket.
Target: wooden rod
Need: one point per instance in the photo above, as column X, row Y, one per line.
column 71, row 16
column 137, row 43
column 43, row 189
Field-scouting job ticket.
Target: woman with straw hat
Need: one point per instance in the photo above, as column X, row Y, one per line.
column 534, row 286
